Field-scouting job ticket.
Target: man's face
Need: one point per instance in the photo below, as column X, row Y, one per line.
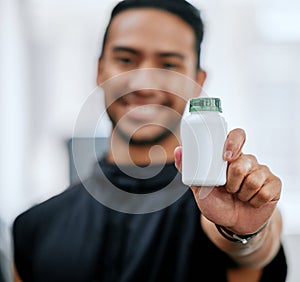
column 146, row 70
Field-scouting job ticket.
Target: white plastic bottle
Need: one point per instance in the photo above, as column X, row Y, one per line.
column 203, row 135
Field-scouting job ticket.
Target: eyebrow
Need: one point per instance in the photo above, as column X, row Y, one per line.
column 136, row 52
column 125, row 49
column 172, row 54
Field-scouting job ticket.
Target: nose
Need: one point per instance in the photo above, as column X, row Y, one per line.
column 144, row 80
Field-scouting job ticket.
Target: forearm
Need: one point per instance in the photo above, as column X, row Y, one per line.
column 258, row 252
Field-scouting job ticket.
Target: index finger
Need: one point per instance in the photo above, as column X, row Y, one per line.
column 234, row 144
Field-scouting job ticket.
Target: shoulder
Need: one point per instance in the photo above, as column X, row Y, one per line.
column 57, row 206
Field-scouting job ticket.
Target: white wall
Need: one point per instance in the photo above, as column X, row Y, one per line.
column 49, row 52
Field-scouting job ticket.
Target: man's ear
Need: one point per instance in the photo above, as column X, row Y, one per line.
column 200, row 77
column 100, row 72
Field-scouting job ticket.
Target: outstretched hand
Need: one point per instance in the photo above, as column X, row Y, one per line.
column 250, row 195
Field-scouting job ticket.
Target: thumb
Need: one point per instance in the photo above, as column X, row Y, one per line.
column 234, row 144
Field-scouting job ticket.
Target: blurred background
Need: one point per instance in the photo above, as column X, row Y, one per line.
column 48, row 66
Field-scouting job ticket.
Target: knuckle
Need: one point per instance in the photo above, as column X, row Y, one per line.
column 243, row 165
column 249, row 162
column 279, row 182
column 263, row 196
column 265, row 168
column 258, row 201
column 238, row 169
column 277, row 187
column 255, row 203
column 242, row 198
column 250, row 158
column 253, row 183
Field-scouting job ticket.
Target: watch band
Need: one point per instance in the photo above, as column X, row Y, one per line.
column 233, row 237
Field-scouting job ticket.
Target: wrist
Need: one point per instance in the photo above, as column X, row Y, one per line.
column 238, row 238
column 233, row 247
column 259, row 250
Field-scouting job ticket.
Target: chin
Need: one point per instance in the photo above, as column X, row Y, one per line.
column 144, row 138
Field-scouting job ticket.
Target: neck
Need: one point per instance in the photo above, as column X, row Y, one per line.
column 121, row 152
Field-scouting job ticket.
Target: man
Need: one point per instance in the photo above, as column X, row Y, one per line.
column 148, row 70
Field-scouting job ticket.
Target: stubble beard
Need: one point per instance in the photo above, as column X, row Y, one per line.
column 156, row 139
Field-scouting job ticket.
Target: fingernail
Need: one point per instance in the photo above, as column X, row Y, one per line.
column 228, row 154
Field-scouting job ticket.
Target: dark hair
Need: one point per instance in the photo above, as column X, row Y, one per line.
column 180, row 8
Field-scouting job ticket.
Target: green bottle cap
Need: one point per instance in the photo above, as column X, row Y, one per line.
column 205, row 104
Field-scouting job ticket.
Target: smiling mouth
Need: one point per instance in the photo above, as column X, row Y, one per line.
column 143, row 113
